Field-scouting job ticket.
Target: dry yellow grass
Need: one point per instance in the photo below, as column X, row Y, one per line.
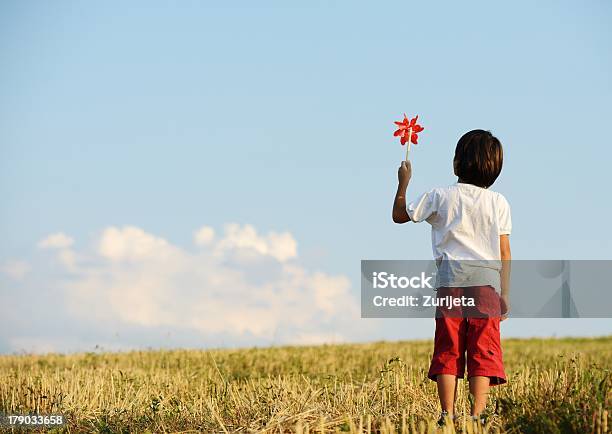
column 554, row 386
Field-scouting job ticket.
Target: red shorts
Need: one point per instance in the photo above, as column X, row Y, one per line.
column 475, row 335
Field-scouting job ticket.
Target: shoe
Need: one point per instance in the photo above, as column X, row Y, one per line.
column 443, row 417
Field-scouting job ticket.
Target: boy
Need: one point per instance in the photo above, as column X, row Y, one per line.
column 470, row 224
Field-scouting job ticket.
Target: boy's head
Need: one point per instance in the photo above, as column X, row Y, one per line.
column 478, row 158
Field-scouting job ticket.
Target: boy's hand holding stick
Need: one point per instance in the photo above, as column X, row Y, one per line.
column 408, row 132
column 404, row 173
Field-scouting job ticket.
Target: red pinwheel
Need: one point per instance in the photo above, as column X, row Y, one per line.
column 408, row 132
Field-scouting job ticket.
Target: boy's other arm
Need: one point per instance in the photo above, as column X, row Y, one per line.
column 506, row 257
column 404, row 173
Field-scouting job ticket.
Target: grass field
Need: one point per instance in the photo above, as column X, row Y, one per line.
column 554, row 386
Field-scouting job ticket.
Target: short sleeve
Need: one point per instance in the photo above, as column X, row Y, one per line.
column 424, row 208
column 505, row 219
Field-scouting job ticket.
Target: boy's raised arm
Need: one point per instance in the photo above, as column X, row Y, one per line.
column 404, row 173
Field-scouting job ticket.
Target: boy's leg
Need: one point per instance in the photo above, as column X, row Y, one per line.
column 484, row 359
column 479, row 389
column 448, row 360
column 447, row 392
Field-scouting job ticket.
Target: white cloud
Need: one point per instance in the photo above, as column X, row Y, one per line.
column 281, row 246
column 68, row 258
column 15, row 269
column 239, row 284
column 61, row 242
column 58, row 240
column 204, row 236
column 131, row 243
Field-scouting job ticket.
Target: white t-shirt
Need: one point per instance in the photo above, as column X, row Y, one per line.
column 466, row 222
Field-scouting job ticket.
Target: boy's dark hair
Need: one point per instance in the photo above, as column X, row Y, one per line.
column 478, row 158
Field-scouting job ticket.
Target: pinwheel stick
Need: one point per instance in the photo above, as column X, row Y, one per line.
column 408, row 146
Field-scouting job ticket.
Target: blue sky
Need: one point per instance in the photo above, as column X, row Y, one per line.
column 172, row 116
